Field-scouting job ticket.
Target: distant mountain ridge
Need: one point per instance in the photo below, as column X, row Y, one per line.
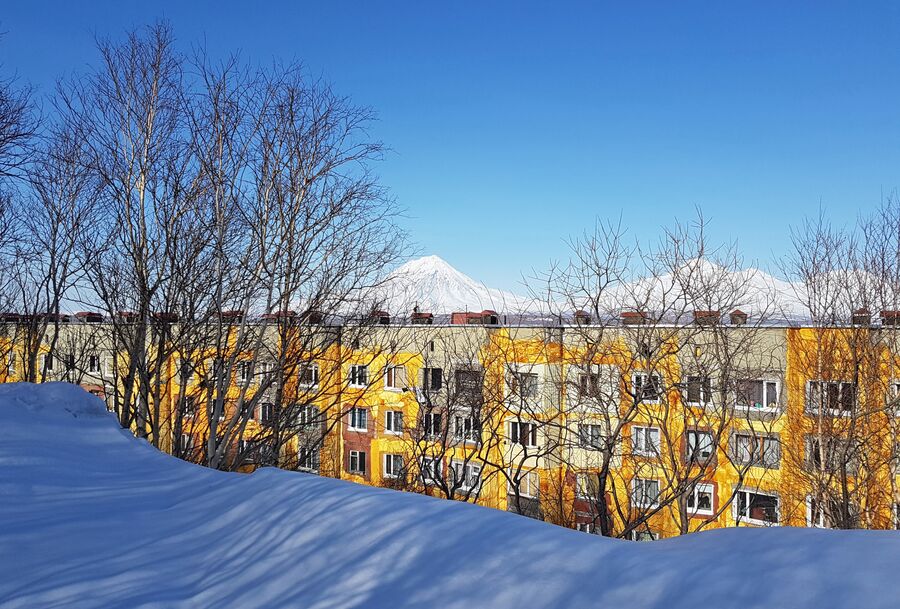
column 433, row 285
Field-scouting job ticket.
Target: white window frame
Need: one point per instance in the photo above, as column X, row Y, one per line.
column 516, row 374
column 702, row 488
column 645, row 374
column 764, row 409
column 91, row 358
column 809, row 515
column 355, row 373
column 262, row 418
column 186, row 447
column 358, row 415
column 643, row 482
column 587, row 445
column 532, row 440
column 11, row 363
column 529, row 483
column 644, row 432
column 635, row 535
column 583, row 487
column 428, row 420
column 313, row 369
column 831, row 412
column 585, row 527
column 432, row 469
column 427, row 377
column 388, row 460
column 355, row 454
column 308, row 415
column 459, row 429
column 390, row 378
column 391, row 420
column 468, row 467
column 760, row 448
column 689, row 452
column 705, row 400
column 739, row 518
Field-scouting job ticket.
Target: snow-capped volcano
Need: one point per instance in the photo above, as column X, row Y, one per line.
column 436, row 287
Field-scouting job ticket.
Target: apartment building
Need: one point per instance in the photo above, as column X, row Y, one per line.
column 632, row 427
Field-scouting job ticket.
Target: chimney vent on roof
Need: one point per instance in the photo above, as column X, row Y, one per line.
column 861, row 317
column 634, row 318
column 707, row 318
column 737, row 317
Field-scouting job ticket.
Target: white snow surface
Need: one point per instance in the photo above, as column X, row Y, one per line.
column 92, row 517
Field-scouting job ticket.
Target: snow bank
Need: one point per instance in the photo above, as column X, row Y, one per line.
column 91, row 517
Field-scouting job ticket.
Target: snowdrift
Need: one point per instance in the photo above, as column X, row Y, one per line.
column 92, row 517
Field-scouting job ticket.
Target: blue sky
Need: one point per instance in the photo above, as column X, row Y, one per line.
column 514, row 124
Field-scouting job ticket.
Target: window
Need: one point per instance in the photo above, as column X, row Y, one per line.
column 529, row 483
column 359, row 419
column 757, row 395
column 189, row 406
column 431, row 422
column 308, row 415
column 185, row 371
column 588, row 385
column 645, row 535
column 830, row 454
column 69, row 361
column 698, row 390
column 393, row 421
column 523, row 385
column 466, row 429
column 591, row 437
column 523, row 433
column 756, row 507
column 647, row 387
column 359, row 376
column 395, row 377
column 469, row 386
column 700, row 446
column 357, row 462
column 587, row 486
column 47, row 362
column 645, row 441
column 757, row 450
column 830, row 397
column 308, row 459
column 585, row 527
column 93, row 363
column 432, row 469
column 266, row 413
column 186, row 444
column 432, row 379
column 245, row 372
column 701, row 500
column 11, row 367
column 466, row 476
column 308, row 375
column 644, row 493
column 815, row 514
column 393, row 466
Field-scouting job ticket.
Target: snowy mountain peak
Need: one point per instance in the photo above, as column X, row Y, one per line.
column 435, row 286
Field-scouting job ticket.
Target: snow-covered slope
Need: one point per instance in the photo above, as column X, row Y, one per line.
column 91, row 517
column 435, row 286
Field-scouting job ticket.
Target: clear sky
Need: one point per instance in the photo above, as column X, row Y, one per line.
column 514, row 124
